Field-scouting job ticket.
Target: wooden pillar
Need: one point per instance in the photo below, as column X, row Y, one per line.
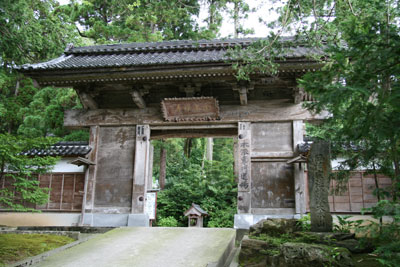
column 244, row 160
column 319, row 169
column 150, row 172
column 86, row 171
column 298, row 169
column 163, row 167
column 236, row 159
column 141, row 167
column 92, row 170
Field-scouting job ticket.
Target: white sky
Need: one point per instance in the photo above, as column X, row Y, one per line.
column 252, row 21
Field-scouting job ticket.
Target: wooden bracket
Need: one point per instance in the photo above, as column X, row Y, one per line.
column 243, row 91
column 298, row 94
column 138, row 99
column 87, row 100
column 190, row 89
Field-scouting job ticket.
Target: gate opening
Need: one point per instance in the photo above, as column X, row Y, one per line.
column 198, row 170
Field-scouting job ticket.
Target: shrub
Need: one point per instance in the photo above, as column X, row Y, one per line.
column 168, row 222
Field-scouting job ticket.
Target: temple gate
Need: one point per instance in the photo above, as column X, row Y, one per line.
column 133, row 93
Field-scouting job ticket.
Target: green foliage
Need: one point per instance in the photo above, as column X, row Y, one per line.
column 345, row 224
column 385, row 236
column 19, row 171
column 304, row 223
column 45, row 113
column 114, row 21
column 167, row 222
column 32, row 30
column 15, row 247
column 211, row 184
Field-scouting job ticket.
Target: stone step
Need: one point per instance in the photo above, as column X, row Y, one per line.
column 148, row 247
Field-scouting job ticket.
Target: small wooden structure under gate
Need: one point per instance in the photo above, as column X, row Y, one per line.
column 195, row 216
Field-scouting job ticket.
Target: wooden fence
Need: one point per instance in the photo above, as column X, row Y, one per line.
column 65, row 194
column 358, row 193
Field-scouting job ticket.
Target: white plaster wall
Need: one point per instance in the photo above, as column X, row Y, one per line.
column 64, row 166
column 38, row 219
column 336, row 164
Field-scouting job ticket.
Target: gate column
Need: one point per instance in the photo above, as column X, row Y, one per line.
column 140, row 173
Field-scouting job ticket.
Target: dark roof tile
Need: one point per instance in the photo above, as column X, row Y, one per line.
column 158, row 53
column 64, row 148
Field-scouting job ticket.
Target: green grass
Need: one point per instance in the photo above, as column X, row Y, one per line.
column 15, row 247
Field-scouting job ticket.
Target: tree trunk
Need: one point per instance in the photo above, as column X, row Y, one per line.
column 209, row 155
column 378, row 195
column 163, row 167
column 188, row 147
column 236, row 19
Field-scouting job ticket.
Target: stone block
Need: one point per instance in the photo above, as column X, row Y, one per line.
column 141, row 220
column 111, row 220
column 243, row 221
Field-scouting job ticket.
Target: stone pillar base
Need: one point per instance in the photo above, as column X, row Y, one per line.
column 141, row 220
column 244, row 221
column 115, row 220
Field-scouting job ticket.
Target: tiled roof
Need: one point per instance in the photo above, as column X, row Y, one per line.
column 76, row 148
column 158, row 53
column 196, row 206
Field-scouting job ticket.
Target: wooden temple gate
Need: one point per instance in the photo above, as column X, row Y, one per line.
column 122, row 87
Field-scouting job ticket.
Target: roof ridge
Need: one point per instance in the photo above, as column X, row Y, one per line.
column 170, row 45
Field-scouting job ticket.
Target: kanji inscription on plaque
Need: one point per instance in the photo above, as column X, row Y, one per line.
column 190, row 109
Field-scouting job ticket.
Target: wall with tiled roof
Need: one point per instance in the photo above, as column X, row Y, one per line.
column 63, row 148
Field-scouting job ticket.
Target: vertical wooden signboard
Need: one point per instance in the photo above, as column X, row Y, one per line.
column 244, row 160
column 141, row 167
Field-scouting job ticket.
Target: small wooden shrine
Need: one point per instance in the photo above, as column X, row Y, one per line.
column 133, row 93
column 195, row 216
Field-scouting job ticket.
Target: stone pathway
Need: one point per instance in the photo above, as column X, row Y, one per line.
column 156, row 246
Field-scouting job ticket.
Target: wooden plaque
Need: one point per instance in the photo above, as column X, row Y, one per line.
column 190, row 109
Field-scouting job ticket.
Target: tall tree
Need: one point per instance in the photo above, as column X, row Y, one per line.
column 111, row 21
column 240, row 11
column 31, row 31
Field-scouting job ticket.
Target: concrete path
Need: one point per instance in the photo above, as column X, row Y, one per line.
column 155, row 247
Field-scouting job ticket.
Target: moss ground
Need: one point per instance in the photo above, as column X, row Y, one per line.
column 15, row 247
column 359, row 260
column 365, row 260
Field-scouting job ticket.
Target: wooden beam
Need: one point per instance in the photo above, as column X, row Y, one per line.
column 185, row 127
column 138, row 99
column 188, row 133
column 255, row 111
